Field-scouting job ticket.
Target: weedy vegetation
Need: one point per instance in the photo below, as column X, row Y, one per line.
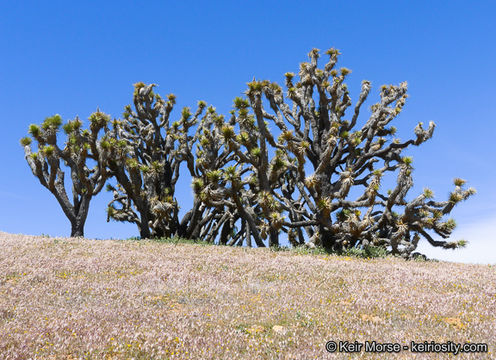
column 84, row 299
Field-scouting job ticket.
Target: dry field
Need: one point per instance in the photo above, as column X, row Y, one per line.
column 89, row 299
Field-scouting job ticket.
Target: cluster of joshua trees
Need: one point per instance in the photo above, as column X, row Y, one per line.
column 295, row 162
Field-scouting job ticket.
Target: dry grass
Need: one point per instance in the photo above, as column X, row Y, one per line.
column 69, row 299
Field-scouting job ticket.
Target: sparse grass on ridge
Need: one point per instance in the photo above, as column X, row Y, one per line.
column 366, row 252
column 71, row 298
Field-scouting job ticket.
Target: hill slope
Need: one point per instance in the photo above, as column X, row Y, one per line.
column 70, row 298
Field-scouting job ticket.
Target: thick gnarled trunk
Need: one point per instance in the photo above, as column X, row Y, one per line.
column 77, row 229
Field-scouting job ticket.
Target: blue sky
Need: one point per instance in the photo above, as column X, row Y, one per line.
column 72, row 57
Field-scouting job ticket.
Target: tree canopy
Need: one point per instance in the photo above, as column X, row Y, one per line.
column 303, row 162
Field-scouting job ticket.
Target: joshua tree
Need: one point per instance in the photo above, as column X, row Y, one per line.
column 241, row 175
column 343, row 157
column 209, row 182
column 81, row 148
column 299, row 163
column 146, row 155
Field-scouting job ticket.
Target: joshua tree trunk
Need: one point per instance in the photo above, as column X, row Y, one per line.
column 77, row 228
column 325, row 237
column 273, row 238
column 80, row 210
column 144, row 228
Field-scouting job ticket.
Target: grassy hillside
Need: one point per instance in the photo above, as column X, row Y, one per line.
column 69, row 298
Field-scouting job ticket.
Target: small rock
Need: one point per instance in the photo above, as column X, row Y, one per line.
column 279, row 329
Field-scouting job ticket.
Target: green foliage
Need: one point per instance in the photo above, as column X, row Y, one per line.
column 171, row 98
column 197, row 185
column 255, row 151
column 34, row 130
column 449, row 225
column 368, row 251
column 132, row 164
column 68, row 128
column 244, row 138
column 231, row 174
column 72, row 126
column 303, row 250
column 255, row 85
column 407, row 160
column 52, row 123
column 111, row 211
column 240, row 103
column 459, row 182
column 278, row 164
column 98, row 120
column 289, row 76
column 227, row 132
column 456, row 197
column 345, row 71
column 137, row 87
column 428, row 193
column 333, row 52
column 105, row 144
column 462, row 243
column 287, row 135
column 176, row 240
column 25, row 141
column 48, row 150
column 156, row 167
column 186, row 113
column 214, row 175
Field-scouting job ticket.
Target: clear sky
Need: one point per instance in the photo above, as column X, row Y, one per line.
column 70, row 57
